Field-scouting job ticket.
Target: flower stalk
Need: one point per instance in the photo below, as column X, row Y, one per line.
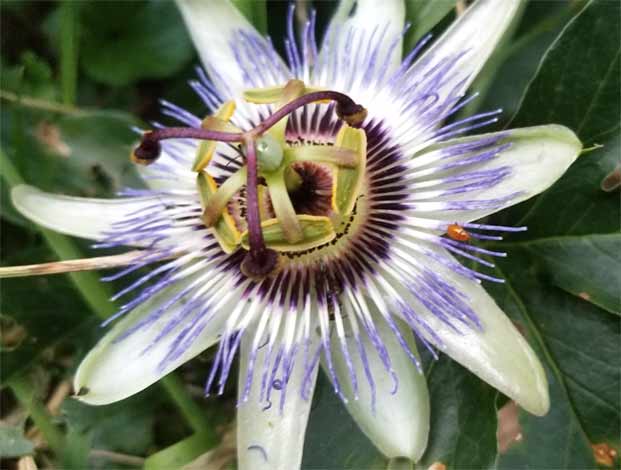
column 23, row 390
column 69, row 266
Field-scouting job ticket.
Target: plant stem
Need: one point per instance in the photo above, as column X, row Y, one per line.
column 23, row 390
column 73, row 265
column 42, row 105
column 400, row 463
column 97, row 295
column 68, row 51
column 193, row 413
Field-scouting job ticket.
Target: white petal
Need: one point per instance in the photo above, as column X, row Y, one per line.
column 538, row 156
column 346, row 50
column 370, row 14
column 113, row 370
column 80, row 217
column 169, row 174
column 476, row 32
column 268, row 439
column 341, row 12
column 498, row 353
column 399, row 425
column 214, row 25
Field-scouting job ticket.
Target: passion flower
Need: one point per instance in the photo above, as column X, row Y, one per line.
column 313, row 217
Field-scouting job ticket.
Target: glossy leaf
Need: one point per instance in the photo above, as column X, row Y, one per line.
column 125, row 427
column 587, row 266
column 571, row 249
column 346, row 447
column 463, row 418
column 424, row 15
column 582, row 356
column 577, row 82
column 577, row 85
column 516, row 63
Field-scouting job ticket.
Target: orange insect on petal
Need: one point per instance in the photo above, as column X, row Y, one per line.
column 457, row 232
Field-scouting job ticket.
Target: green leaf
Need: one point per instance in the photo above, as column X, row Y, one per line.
column 123, row 42
column 179, row 454
column 76, row 450
column 83, row 155
column 98, row 146
column 31, row 76
column 333, row 439
column 577, row 83
column 47, row 310
column 581, row 352
column 13, row 443
column 68, row 56
column 575, row 265
column 125, row 427
column 255, row 12
column 576, row 206
column 424, row 15
column 502, row 81
column 463, row 418
column 571, row 248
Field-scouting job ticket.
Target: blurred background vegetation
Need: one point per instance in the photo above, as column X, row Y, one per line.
column 75, row 76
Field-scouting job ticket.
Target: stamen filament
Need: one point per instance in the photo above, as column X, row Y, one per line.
column 218, row 201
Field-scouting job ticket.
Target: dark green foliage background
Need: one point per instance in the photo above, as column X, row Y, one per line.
column 104, row 65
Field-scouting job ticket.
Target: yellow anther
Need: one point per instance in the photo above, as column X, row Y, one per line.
column 224, row 228
column 283, row 208
column 291, row 91
column 278, row 94
column 217, row 122
column 267, row 95
column 220, row 196
column 317, row 230
column 347, row 182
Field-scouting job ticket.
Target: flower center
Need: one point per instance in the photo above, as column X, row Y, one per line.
column 295, row 196
column 306, row 191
